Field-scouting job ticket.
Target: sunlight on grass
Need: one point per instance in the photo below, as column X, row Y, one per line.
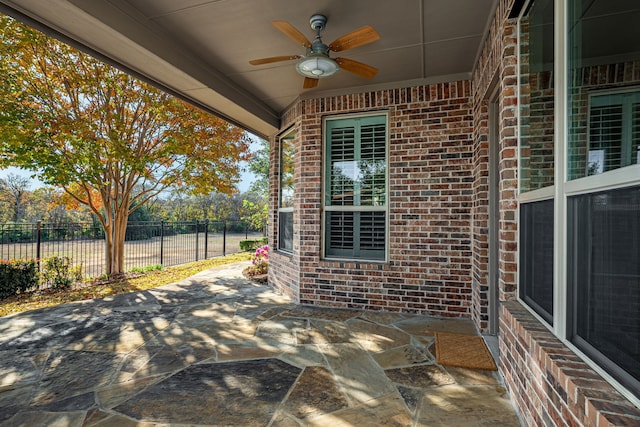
column 152, row 279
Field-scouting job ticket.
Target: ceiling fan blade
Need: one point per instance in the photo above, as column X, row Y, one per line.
column 357, row 68
column 292, row 32
column 359, row 37
column 274, row 59
column 309, row 83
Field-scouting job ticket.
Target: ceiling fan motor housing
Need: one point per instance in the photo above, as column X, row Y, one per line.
column 318, row 22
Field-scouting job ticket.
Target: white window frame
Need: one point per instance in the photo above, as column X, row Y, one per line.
column 326, row 208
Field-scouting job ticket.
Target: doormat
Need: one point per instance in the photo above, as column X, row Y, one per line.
column 465, row 351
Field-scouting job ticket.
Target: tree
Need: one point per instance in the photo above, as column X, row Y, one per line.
column 47, row 204
column 110, row 141
column 14, row 191
column 259, row 165
column 255, row 206
column 255, row 213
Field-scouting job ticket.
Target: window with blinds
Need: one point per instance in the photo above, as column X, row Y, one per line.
column 614, row 132
column 355, row 202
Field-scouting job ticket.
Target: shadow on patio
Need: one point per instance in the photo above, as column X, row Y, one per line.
column 217, row 349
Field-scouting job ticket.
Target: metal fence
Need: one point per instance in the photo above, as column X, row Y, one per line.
column 146, row 243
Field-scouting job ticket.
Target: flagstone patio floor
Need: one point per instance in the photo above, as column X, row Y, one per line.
column 217, row 349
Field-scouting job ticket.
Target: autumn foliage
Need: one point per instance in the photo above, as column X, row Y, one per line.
column 109, row 140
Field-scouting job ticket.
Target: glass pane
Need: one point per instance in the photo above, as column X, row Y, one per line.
column 372, row 227
column 604, row 45
column 356, row 234
column 536, row 97
column 285, row 231
column 339, row 233
column 372, row 166
column 605, row 252
column 536, row 257
column 342, row 159
column 286, row 172
column 356, row 162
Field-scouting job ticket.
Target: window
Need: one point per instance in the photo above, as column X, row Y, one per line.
column 537, row 163
column 579, row 230
column 355, row 191
column 286, row 186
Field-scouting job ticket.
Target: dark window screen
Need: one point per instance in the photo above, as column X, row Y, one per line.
column 536, row 257
column 604, row 252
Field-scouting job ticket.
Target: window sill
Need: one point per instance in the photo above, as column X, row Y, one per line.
column 536, row 360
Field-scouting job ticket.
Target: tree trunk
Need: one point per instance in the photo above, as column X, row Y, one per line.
column 120, row 228
column 115, row 227
column 108, row 246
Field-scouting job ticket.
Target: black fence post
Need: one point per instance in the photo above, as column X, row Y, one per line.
column 206, row 239
column 197, row 243
column 161, row 242
column 38, row 242
column 246, row 231
column 224, row 238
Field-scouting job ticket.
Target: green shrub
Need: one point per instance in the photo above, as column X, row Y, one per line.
column 60, row 272
column 17, row 276
column 252, row 244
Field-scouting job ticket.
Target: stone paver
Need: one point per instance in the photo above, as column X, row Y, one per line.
column 217, row 349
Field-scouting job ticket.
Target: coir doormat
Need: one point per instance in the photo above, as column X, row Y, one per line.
column 465, row 351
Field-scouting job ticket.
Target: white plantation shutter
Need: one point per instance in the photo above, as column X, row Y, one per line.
column 372, row 230
column 373, row 161
column 606, row 138
column 355, row 210
column 614, row 132
column 342, row 154
column 341, row 230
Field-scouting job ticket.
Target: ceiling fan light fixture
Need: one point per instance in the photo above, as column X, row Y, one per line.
column 317, row 66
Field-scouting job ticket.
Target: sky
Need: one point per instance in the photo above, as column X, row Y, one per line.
column 246, row 178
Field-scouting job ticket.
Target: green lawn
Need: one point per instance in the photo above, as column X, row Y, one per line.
column 153, row 279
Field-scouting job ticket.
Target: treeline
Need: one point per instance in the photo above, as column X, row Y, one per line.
column 19, row 204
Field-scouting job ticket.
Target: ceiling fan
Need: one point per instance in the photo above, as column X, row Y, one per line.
column 316, row 63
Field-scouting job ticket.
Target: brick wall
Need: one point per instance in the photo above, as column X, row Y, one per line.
column 496, row 68
column 480, row 216
column 430, row 199
column 549, row 384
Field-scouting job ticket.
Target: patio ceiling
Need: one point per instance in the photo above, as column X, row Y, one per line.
column 200, row 49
